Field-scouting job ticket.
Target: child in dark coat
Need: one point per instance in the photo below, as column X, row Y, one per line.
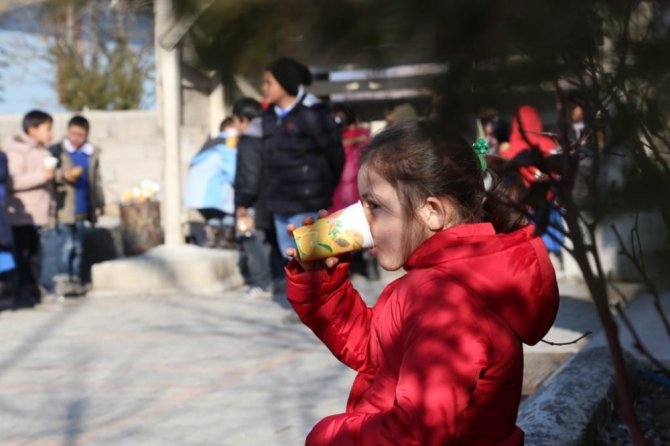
column 303, row 147
column 254, row 222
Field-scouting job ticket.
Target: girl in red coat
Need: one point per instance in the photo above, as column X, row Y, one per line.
column 439, row 356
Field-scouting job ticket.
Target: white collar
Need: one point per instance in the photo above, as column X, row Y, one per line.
column 86, row 148
column 281, row 112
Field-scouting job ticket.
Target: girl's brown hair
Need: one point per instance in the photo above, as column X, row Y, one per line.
column 419, row 165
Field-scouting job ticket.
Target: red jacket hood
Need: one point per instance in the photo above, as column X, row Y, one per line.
column 531, row 125
column 511, row 273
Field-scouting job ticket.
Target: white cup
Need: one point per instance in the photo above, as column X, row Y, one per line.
column 50, row 162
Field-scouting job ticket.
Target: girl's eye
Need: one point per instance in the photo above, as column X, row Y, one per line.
column 371, row 205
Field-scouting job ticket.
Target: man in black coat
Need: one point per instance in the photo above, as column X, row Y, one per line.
column 303, row 147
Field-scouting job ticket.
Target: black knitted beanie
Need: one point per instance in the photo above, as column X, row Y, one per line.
column 290, row 74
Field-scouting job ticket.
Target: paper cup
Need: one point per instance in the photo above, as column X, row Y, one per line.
column 50, row 162
column 344, row 231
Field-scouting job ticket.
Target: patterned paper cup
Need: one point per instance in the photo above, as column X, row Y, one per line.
column 343, row 231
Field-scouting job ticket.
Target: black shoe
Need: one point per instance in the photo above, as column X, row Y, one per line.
column 70, row 288
column 21, row 304
column 75, row 289
column 27, row 296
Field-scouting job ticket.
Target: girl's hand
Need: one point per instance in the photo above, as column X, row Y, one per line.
column 329, row 262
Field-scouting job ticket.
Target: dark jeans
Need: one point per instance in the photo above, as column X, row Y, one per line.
column 28, row 258
column 72, row 236
column 255, row 260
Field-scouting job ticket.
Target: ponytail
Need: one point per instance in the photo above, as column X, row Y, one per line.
column 505, row 190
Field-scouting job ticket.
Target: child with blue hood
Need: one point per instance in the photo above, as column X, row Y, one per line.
column 209, row 186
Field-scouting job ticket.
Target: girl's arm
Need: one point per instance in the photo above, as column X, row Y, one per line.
column 328, row 304
column 444, row 352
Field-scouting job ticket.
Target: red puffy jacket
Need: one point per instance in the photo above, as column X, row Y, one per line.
column 439, row 356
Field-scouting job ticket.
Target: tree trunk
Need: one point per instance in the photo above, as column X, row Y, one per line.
column 598, row 289
column 140, row 227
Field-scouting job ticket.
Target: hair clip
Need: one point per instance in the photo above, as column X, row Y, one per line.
column 481, row 149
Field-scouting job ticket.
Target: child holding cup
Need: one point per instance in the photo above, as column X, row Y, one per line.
column 29, row 198
column 439, row 356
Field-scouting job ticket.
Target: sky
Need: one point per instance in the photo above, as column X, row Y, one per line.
column 27, row 78
column 26, row 82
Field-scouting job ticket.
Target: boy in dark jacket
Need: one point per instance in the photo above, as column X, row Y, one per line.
column 254, row 222
column 303, row 147
column 79, row 198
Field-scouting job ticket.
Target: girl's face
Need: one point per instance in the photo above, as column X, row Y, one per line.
column 271, row 89
column 394, row 238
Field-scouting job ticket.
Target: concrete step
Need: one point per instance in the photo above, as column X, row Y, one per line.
column 167, row 268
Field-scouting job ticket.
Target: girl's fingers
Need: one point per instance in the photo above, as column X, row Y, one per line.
column 330, row 262
column 291, row 252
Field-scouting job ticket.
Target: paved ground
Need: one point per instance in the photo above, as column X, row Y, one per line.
column 181, row 369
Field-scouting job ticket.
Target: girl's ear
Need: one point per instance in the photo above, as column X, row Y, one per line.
column 435, row 214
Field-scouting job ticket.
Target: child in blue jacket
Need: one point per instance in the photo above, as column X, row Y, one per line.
column 209, row 186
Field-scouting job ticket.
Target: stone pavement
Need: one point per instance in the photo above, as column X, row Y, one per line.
column 175, row 369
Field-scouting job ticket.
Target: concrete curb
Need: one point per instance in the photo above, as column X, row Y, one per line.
column 573, row 403
column 185, row 268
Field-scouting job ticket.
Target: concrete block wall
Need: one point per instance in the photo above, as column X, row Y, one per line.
column 654, row 241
